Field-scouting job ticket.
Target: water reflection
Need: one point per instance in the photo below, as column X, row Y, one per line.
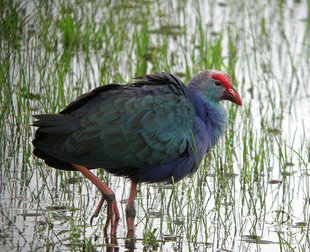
column 246, row 196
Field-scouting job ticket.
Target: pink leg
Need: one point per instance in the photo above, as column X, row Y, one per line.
column 130, row 210
column 107, row 194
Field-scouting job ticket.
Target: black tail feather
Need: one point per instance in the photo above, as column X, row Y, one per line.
column 55, row 123
column 49, row 126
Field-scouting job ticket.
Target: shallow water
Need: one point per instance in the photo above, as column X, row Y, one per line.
column 250, row 194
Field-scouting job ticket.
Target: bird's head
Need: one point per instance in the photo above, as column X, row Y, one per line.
column 215, row 86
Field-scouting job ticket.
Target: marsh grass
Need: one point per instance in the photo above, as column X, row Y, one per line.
column 252, row 190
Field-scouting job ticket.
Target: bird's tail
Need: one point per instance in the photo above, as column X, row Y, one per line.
column 50, row 135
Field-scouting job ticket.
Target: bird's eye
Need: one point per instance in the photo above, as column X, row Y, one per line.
column 218, row 83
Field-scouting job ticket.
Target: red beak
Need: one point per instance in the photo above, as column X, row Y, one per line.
column 232, row 95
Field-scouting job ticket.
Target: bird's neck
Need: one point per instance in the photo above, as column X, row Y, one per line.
column 212, row 114
column 217, row 116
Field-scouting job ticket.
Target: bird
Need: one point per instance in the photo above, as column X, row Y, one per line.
column 155, row 129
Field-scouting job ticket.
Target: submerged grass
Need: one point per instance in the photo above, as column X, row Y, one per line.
column 252, row 190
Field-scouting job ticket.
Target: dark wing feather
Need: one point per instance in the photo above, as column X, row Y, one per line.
column 161, row 79
column 83, row 99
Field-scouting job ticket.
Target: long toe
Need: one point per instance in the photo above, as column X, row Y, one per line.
column 98, row 208
column 112, row 217
column 115, row 220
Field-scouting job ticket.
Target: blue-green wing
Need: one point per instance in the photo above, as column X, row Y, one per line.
column 132, row 130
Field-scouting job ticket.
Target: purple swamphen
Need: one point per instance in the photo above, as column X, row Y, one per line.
column 156, row 129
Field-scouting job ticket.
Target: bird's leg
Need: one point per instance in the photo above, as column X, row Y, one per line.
column 107, row 194
column 130, row 210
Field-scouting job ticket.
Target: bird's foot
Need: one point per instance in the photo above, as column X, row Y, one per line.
column 112, row 216
column 108, row 195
